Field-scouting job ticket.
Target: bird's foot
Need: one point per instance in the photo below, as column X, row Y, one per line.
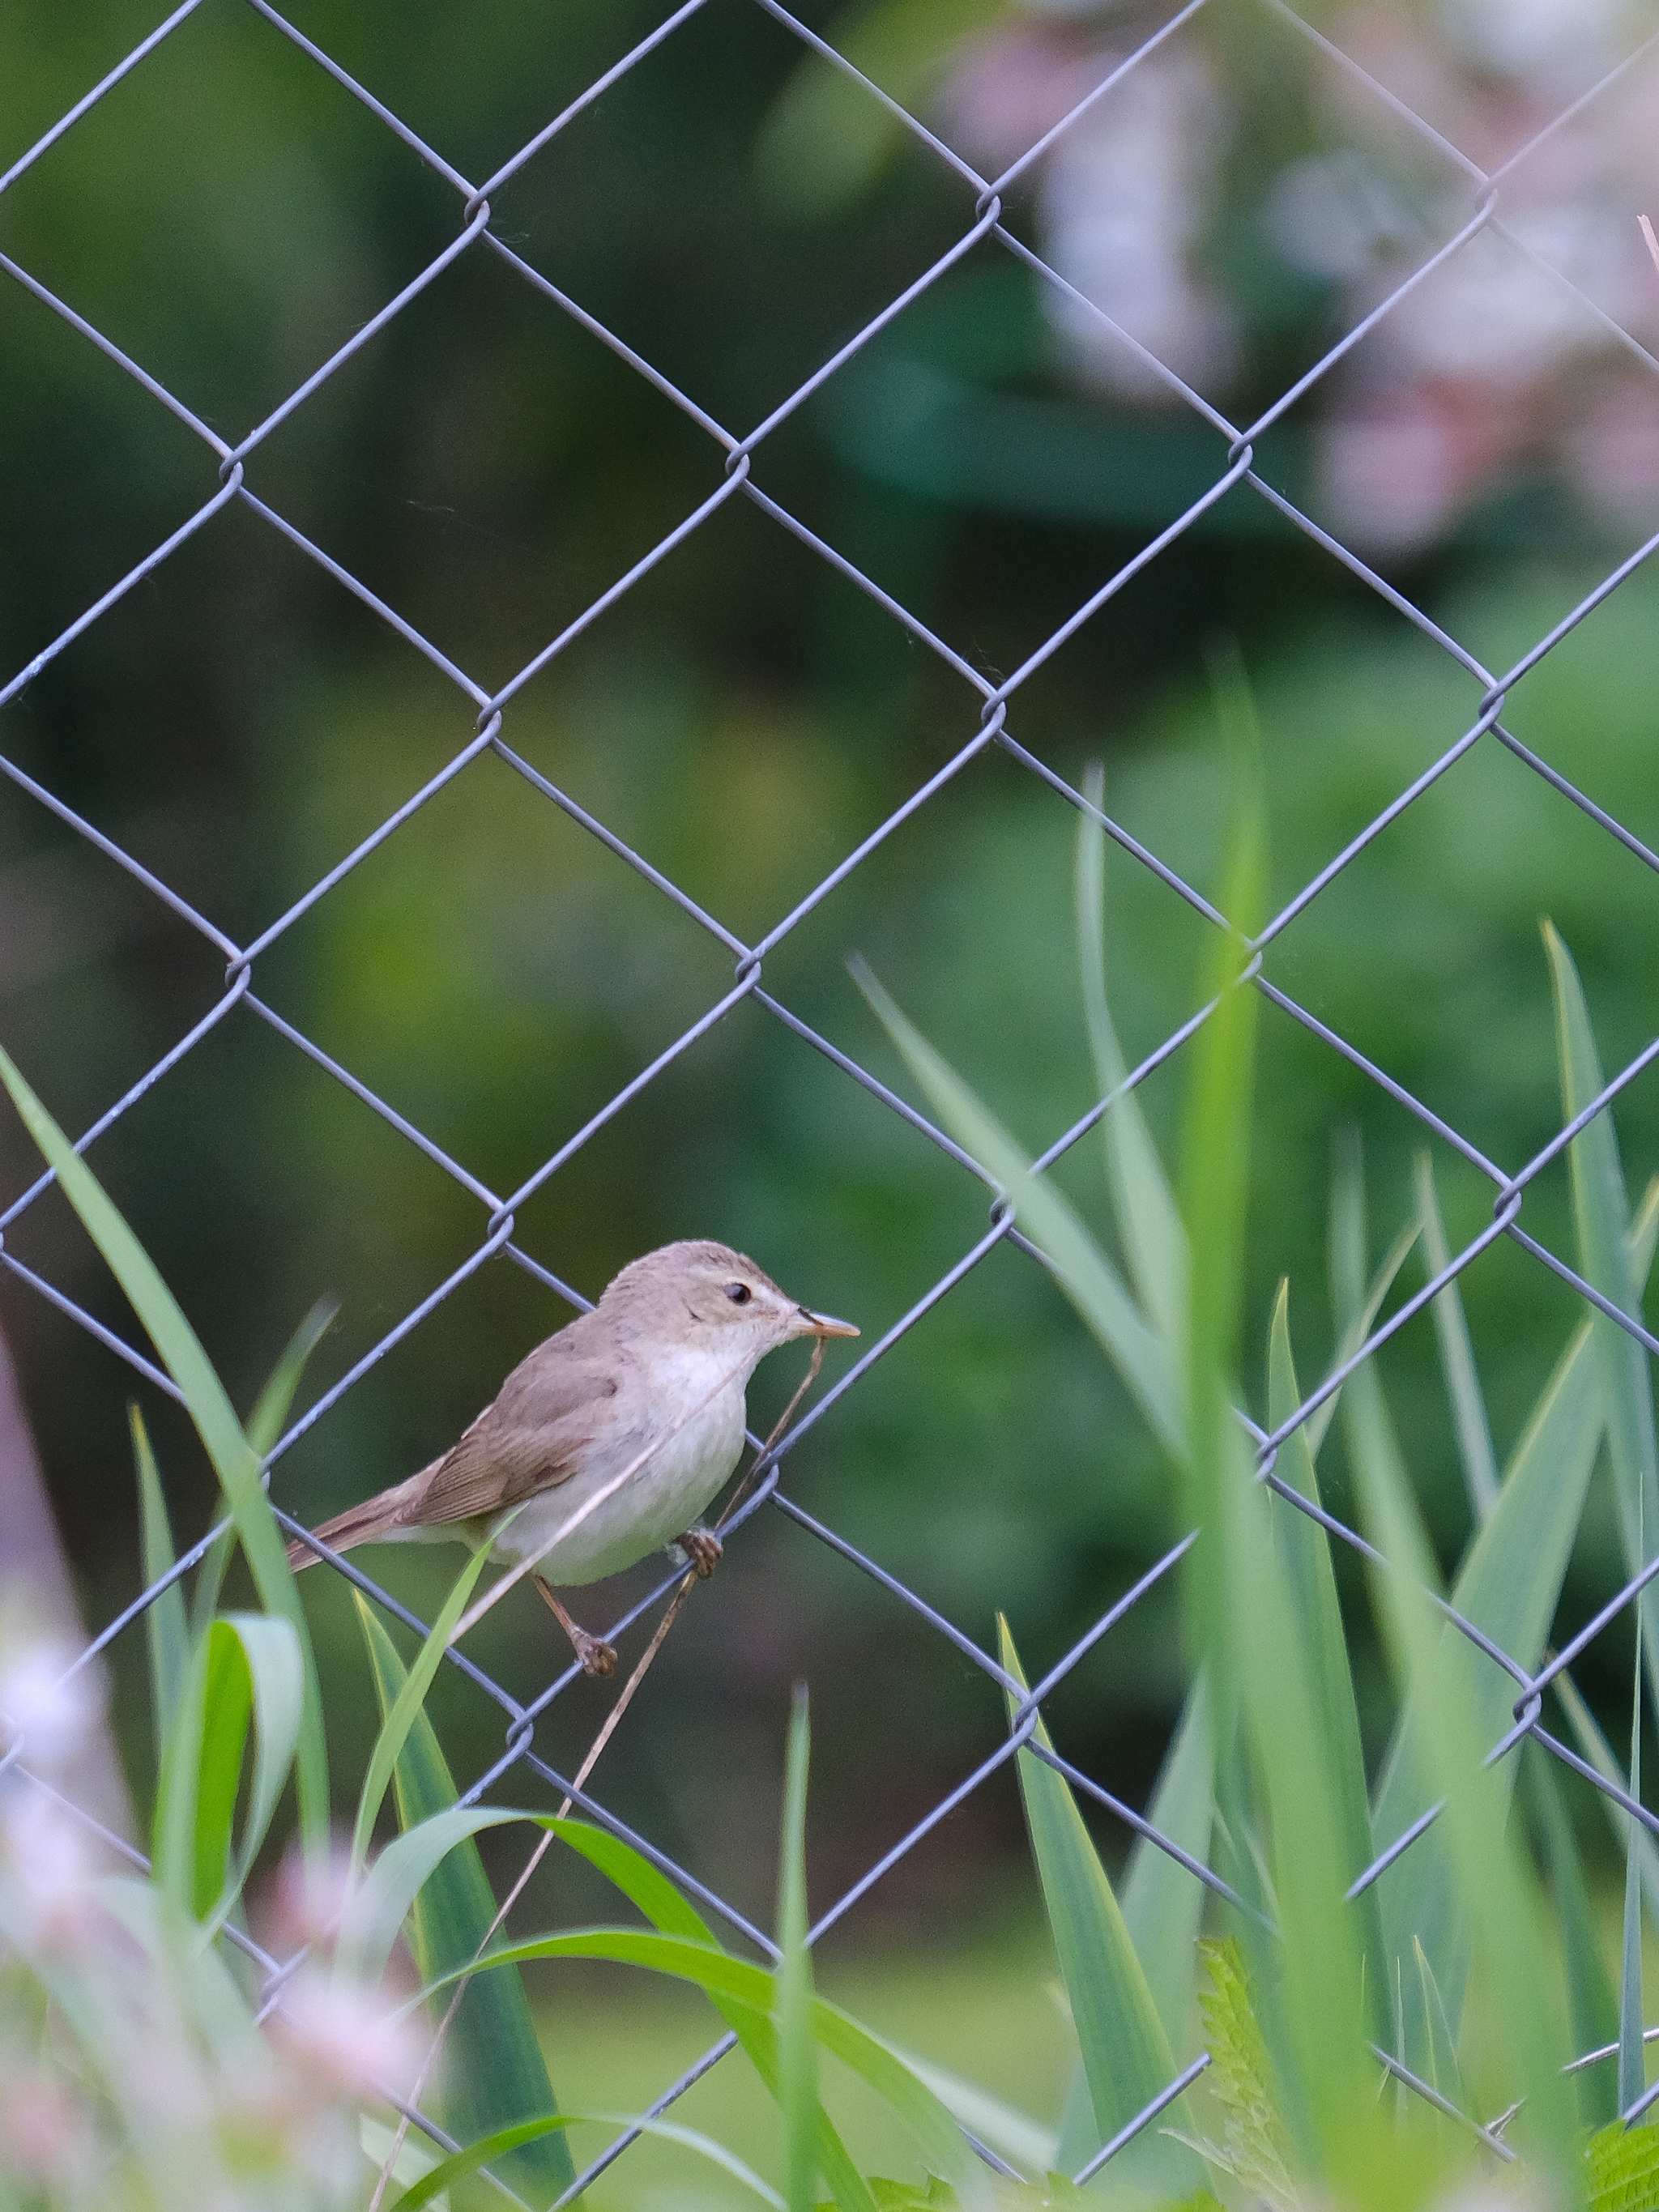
column 597, row 1658
column 703, row 1551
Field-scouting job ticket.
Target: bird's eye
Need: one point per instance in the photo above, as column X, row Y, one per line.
column 740, row 1293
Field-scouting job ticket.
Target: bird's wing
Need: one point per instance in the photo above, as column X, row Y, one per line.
column 532, row 1438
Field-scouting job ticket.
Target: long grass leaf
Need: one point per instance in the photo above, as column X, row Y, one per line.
column 1592, row 2005
column 798, row 2072
column 265, row 1427
column 165, row 1627
column 1490, row 1892
column 1451, row 1331
column 409, row 1702
column 1508, row 1586
column 276, row 1678
column 1633, row 2056
column 496, row 2075
column 1162, row 1904
column 1602, row 1213
column 1594, row 1747
column 448, row 2171
column 1148, row 1218
column 1087, row 1276
column 233, row 1459
column 270, row 1409
column 671, row 1914
column 1304, row 1546
column 246, row 1673
column 726, row 1980
column 201, row 1774
column 1126, row 2054
column 1357, row 1328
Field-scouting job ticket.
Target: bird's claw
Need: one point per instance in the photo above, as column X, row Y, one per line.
column 597, row 1658
column 703, row 1551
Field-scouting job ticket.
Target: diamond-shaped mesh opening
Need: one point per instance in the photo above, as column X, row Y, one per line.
column 654, row 569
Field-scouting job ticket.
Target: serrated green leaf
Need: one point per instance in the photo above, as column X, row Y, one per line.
column 1255, row 2146
column 1624, row 2170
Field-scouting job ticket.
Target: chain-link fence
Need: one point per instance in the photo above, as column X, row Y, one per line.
column 1476, row 214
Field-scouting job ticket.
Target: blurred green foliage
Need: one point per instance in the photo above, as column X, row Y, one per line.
column 742, row 718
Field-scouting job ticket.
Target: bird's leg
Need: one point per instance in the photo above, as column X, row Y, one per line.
column 597, row 1658
column 703, row 1551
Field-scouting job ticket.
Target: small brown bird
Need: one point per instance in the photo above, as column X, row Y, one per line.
column 648, row 1388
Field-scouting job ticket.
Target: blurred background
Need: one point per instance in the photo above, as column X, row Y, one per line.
column 733, row 209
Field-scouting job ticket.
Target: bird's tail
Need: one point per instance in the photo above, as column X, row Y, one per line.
column 373, row 1521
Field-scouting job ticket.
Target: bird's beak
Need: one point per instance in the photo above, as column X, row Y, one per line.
column 824, row 1325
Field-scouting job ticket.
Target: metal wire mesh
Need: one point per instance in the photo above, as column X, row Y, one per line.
column 988, row 724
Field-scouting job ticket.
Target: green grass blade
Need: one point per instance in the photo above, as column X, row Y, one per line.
column 1215, row 1150
column 165, row 1624
column 1162, row 1904
column 233, row 1459
column 245, row 1673
column 1451, row 1329
column 1592, row 2005
column 1594, row 1747
column 276, row 1678
column 1247, row 1615
column 1121, row 2038
column 1632, row 2055
column 265, row 1427
column 201, row 1774
column 1305, row 1550
column 409, row 1702
column 671, row 1914
column 726, row 1982
column 449, row 2170
column 798, row 2073
column 495, row 2074
column 1490, row 1892
column 264, row 1422
column 383, row 1900
column 1087, row 1276
column 1509, row 1585
column 1357, row 1329
column 1148, row 1218
column 1602, row 1211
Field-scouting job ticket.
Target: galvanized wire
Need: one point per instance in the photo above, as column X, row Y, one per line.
column 987, row 728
